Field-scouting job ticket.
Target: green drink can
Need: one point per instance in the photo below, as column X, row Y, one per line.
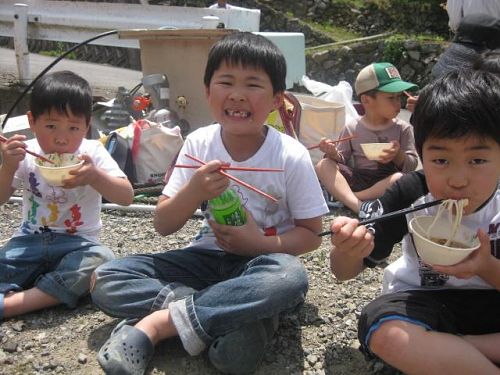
column 226, row 209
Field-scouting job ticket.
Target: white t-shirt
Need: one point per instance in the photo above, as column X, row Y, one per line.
column 296, row 188
column 53, row 208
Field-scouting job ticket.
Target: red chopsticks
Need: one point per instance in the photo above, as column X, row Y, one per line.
column 237, row 180
column 229, row 168
column 333, row 142
column 3, row 140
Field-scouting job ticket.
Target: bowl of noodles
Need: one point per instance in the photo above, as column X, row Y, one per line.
column 56, row 172
column 442, row 240
column 373, row 151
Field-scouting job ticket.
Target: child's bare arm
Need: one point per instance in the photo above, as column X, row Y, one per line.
column 351, row 243
column 249, row 240
column 114, row 189
column 173, row 212
column 13, row 151
column 480, row 263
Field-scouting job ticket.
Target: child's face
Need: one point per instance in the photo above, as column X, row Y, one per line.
column 462, row 168
column 385, row 105
column 57, row 132
column 241, row 98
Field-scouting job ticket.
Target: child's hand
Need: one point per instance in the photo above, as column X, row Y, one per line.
column 240, row 240
column 475, row 264
column 13, row 152
column 389, row 154
column 411, row 102
column 207, row 182
column 327, row 146
column 85, row 175
column 351, row 239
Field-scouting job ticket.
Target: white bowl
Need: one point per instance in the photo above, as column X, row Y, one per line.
column 373, row 151
column 432, row 252
column 54, row 174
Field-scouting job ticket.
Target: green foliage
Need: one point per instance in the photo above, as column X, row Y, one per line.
column 393, row 49
column 59, row 49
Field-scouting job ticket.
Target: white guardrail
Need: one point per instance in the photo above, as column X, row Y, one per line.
column 77, row 21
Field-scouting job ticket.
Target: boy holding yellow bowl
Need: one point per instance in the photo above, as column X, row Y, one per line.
column 50, row 258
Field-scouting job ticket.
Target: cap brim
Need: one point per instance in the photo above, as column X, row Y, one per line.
column 457, row 56
column 398, row 86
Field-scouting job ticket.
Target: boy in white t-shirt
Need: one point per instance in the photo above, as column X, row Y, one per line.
column 434, row 319
column 50, row 258
column 225, row 290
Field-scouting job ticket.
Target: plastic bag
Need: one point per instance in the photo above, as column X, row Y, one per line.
column 150, row 147
column 341, row 93
column 319, row 118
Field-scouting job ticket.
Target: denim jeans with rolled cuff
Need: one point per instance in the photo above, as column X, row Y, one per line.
column 231, row 291
column 56, row 263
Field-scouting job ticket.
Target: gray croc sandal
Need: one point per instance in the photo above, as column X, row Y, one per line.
column 127, row 351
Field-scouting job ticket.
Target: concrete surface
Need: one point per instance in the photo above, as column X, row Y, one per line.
column 104, row 79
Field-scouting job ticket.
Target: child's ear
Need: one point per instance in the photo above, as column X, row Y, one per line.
column 278, row 99
column 31, row 121
column 365, row 99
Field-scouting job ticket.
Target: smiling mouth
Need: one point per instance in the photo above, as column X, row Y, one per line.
column 240, row 114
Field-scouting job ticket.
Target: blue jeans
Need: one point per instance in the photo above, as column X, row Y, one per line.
column 57, row 264
column 232, row 291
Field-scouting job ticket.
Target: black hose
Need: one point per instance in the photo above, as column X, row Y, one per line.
column 9, row 113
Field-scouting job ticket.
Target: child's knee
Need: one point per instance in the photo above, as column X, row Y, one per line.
column 387, row 338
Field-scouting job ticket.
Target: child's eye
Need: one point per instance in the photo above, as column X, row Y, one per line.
column 75, row 128
column 440, row 161
column 478, row 161
column 50, row 126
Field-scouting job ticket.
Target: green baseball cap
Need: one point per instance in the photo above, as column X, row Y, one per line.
column 382, row 77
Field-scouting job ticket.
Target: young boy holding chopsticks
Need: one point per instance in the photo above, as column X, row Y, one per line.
column 434, row 319
column 346, row 172
column 50, row 258
column 223, row 293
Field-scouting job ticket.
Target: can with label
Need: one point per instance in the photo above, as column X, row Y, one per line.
column 227, row 209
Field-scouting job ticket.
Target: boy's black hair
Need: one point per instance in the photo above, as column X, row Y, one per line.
column 489, row 61
column 459, row 104
column 61, row 91
column 248, row 50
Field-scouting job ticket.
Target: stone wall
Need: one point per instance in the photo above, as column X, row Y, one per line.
column 342, row 62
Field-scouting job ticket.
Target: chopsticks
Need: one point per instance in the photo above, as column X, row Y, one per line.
column 393, row 214
column 333, row 142
column 229, row 168
column 237, row 180
column 3, row 140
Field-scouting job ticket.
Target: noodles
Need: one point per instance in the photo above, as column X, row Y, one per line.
column 450, row 205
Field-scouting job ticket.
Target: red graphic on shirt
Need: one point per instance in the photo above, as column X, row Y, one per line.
column 75, row 222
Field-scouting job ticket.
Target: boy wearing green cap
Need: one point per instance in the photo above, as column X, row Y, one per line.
column 345, row 171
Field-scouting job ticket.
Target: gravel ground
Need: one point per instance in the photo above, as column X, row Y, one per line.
column 319, row 338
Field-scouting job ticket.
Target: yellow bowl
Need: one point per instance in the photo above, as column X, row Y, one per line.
column 373, row 151
column 54, row 174
column 432, row 252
